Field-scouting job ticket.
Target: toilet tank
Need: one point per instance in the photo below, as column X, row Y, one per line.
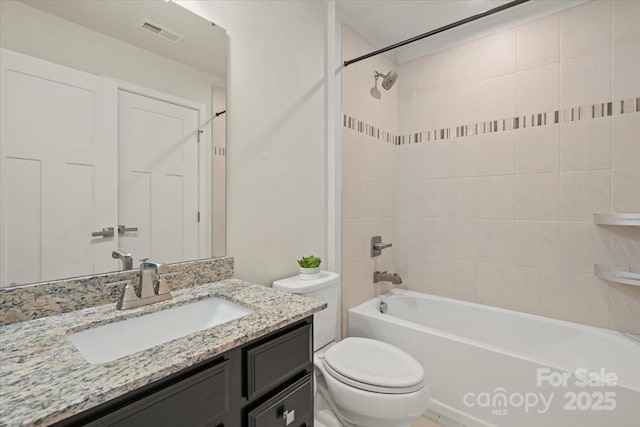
column 324, row 289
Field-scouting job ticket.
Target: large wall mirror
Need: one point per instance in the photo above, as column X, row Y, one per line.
column 112, row 136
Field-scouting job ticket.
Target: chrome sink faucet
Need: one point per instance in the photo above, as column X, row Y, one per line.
column 151, row 289
column 383, row 276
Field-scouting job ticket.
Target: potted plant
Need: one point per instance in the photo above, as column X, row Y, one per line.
column 309, row 267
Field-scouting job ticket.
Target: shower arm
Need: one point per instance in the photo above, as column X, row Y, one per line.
column 436, row 31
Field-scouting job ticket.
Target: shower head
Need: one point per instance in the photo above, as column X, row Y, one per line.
column 388, row 80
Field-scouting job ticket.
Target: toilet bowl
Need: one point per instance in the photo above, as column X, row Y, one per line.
column 359, row 381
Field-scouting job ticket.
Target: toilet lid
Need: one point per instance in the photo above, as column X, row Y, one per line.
column 373, row 365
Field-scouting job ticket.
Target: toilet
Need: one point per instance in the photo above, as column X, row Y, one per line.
column 359, row 381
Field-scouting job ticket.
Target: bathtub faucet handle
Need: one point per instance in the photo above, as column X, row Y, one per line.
column 377, row 246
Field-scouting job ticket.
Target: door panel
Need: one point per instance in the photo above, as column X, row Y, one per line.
column 158, row 189
column 58, row 177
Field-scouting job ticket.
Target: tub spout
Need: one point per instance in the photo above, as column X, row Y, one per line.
column 383, row 276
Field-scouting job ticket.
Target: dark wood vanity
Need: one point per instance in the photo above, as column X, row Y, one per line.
column 266, row 382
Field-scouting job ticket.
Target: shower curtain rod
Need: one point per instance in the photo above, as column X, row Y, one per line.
column 437, row 30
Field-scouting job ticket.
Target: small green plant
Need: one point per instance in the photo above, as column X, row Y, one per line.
column 309, row 262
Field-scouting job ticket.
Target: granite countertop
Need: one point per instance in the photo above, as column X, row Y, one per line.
column 44, row 378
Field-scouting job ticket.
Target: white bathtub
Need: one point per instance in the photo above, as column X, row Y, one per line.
column 488, row 366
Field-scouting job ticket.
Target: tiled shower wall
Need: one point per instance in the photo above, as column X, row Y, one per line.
column 368, row 173
column 505, row 217
column 508, row 146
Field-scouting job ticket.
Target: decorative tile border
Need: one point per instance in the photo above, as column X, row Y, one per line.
column 28, row 302
column 586, row 112
column 369, row 130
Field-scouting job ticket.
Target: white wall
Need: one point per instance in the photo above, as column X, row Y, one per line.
column 276, row 160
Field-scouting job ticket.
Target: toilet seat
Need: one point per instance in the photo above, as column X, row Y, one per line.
column 374, row 366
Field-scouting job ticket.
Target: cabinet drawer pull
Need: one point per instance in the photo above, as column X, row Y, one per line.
column 289, row 416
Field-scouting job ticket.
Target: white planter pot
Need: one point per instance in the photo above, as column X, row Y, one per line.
column 309, row 273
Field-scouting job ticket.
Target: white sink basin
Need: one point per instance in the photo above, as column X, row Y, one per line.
column 115, row 340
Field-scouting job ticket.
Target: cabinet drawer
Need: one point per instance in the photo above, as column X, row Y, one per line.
column 276, row 360
column 199, row 400
column 296, row 400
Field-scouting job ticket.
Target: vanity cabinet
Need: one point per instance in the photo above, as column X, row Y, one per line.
column 264, row 383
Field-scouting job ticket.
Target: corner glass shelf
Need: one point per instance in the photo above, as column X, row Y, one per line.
column 618, row 274
column 617, row 219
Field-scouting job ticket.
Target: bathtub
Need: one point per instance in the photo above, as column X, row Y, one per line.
column 487, row 366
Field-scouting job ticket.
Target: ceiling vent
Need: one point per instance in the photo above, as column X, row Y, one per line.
column 159, row 30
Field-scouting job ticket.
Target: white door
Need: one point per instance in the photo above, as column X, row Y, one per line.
column 58, row 170
column 158, row 178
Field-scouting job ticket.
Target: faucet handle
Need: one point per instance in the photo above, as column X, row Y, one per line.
column 128, row 295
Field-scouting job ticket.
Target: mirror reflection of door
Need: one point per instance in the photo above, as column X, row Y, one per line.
column 158, row 176
column 57, row 162
column 79, row 156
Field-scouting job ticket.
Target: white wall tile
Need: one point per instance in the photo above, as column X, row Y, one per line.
column 625, row 145
column 625, row 190
column 353, row 187
column 496, row 197
column 430, row 111
column 496, row 98
column 625, row 308
column 459, row 239
column 407, row 113
column 625, row 246
column 432, row 204
column 432, row 239
column 459, row 197
column 354, row 241
column 584, row 193
column 357, row 284
column 537, row 196
column 409, row 235
column 459, row 279
column 406, row 201
column 586, row 79
column 461, row 105
column 460, row 157
column 586, row 29
column 537, row 244
column 538, row 89
column 350, row 152
column 583, row 298
column 537, row 149
column 585, row 144
column 538, row 42
column 496, row 153
column 461, row 64
column 426, row 274
column 497, row 54
column 496, row 241
column 384, row 194
column 431, row 157
column 430, row 73
column 535, row 291
column 626, row 71
column 582, row 245
column 495, row 284
column 408, row 79
column 626, row 15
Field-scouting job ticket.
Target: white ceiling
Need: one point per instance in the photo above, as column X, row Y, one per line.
column 385, row 22
column 204, row 46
